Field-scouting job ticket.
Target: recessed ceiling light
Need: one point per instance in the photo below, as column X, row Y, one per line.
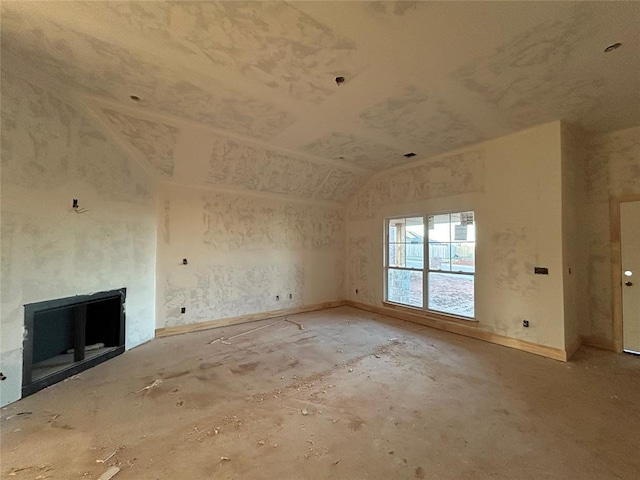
column 409, row 155
column 612, row 47
column 135, row 98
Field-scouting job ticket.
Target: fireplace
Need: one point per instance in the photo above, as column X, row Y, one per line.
column 68, row 335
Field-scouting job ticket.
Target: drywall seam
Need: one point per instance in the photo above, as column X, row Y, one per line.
column 100, row 119
column 255, row 193
column 179, row 122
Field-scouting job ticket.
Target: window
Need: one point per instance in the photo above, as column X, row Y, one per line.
column 446, row 283
column 405, row 261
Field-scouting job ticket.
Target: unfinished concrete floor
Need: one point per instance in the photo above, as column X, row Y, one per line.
column 352, row 396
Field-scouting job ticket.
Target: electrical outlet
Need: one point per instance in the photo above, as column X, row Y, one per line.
column 183, row 310
column 525, row 323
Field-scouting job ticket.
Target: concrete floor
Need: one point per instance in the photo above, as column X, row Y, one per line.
column 352, row 396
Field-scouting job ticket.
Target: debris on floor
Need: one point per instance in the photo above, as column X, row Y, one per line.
column 110, row 473
column 225, row 459
column 304, row 412
column 149, row 387
column 111, row 455
column 17, row 415
column 300, row 326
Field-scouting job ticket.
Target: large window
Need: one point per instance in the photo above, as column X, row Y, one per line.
column 446, row 283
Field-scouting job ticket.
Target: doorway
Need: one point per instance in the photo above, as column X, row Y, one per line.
column 630, row 275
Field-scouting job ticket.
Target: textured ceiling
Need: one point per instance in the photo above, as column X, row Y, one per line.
column 242, row 94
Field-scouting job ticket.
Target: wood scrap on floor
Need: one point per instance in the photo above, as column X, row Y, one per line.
column 109, row 474
column 149, row 387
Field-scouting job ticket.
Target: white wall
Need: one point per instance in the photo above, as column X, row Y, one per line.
column 242, row 251
column 51, row 153
column 613, row 170
column 514, row 185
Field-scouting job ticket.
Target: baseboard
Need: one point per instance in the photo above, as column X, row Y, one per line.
column 468, row 331
column 573, row 348
column 438, row 323
column 597, row 342
column 254, row 317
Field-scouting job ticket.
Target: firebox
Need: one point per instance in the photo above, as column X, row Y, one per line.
column 69, row 335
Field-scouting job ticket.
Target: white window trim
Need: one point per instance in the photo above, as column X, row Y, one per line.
column 426, row 269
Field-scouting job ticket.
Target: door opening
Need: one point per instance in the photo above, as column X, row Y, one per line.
column 630, row 275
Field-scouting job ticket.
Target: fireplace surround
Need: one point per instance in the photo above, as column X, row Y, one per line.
column 66, row 336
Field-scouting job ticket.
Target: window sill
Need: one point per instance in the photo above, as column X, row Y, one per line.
column 443, row 317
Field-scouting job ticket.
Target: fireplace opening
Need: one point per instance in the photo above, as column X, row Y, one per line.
column 68, row 335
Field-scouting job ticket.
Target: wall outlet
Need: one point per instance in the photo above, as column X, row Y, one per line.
column 183, row 310
column 525, row 323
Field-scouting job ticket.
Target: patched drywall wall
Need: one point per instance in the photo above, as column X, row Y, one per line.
column 154, row 141
column 514, row 186
column 243, row 251
column 574, row 241
column 613, row 170
column 52, row 153
column 436, row 177
column 195, row 154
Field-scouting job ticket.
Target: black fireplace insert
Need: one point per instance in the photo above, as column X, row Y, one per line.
column 68, row 335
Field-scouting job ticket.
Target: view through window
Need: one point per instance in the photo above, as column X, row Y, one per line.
column 446, row 283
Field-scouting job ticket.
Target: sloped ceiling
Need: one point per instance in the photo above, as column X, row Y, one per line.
column 242, row 94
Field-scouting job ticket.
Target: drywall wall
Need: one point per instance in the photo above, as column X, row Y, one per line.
column 514, row 185
column 613, row 170
column 52, row 153
column 243, row 250
column 574, row 242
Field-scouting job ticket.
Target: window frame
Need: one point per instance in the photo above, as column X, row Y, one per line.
column 426, row 264
column 386, row 265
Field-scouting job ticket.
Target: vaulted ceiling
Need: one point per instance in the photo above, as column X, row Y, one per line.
column 242, row 95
